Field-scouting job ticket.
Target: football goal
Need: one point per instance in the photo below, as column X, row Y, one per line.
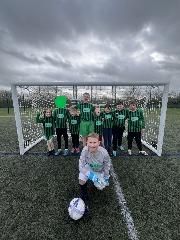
column 151, row 97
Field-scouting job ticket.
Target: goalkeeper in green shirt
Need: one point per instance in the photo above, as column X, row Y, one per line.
column 86, row 112
column 136, row 127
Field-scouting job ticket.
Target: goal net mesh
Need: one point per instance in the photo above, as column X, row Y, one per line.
column 33, row 99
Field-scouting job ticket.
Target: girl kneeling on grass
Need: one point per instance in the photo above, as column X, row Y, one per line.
column 94, row 165
column 48, row 126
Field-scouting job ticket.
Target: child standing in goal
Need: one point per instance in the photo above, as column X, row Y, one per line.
column 48, row 125
column 119, row 116
column 94, row 165
column 61, row 115
column 107, row 127
column 86, row 111
column 136, row 127
column 98, row 123
column 74, row 126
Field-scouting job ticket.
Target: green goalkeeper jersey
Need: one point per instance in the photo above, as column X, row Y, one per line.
column 120, row 117
column 136, row 120
column 86, row 111
column 61, row 117
column 74, row 124
column 107, row 120
column 48, row 125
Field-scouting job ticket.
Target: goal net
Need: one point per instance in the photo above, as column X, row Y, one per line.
column 28, row 100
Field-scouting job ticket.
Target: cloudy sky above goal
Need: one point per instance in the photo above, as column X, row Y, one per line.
column 99, row 40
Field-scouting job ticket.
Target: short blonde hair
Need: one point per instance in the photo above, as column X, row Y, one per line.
column 93, row 135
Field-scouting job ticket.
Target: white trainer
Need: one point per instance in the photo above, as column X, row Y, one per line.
column 129, row 152
column 143, row 153
column 114, row 153
column 121, row 148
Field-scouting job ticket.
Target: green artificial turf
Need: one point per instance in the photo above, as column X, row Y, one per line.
column 151, row 188
column 36, row 191
column 4, row 112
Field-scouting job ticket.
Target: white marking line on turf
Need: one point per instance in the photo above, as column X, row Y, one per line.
column 6, row 116
column 132, row 232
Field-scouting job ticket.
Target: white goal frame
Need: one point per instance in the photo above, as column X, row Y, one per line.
column 158, row 151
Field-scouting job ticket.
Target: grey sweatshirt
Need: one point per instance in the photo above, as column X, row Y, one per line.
column 98, row 162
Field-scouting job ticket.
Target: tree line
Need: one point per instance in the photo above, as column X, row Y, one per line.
column 6, row 100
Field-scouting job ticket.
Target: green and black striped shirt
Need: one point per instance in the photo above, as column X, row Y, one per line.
column 107, row 120
column 61, row 117
column 98, row 124
column 86, row 111
column 120, row 117
column 74, row 124
column 48, row 125
column 136, row 120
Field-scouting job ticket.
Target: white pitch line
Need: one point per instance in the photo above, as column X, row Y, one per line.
column 6, row 116
column 132, row 232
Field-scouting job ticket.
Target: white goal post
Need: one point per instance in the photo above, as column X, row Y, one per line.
column 114, row 85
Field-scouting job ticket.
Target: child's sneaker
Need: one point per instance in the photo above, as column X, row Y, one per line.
column 59, row 151
column 73, row 150
column 114, row 153
column 65, row 153
column 77, row 150
column 49, row 153
column 143, row 153
column 121, row 148
column 53, row 152
column 129, row 152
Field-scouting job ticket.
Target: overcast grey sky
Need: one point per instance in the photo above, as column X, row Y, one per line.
column 78, row 40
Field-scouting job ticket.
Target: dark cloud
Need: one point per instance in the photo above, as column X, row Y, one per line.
column 105, row 39
column 38, row 21
column 22, row 56
column 58, row 62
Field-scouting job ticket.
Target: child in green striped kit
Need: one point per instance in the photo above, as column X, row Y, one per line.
column 120, row 115
column 74, row 126
column 98, row 123
column 61, row 117
column 107, row 127
column 136, row 127
column 48, row 126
